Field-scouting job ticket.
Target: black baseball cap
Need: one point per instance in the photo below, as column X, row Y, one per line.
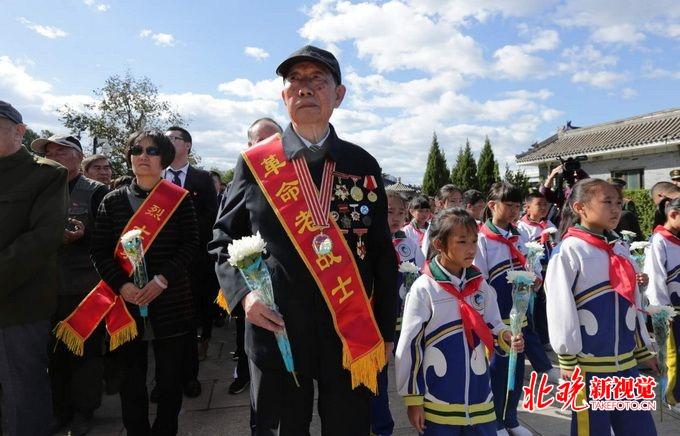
column 8, row 111
column 314, row 54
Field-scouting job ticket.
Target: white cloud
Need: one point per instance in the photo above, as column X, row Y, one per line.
column 628, row 93
column 160, row 39
column 99, row 7
column 256, row 53
column 651, row 72
column 622, row 21
column 50, row 32
column 261, row 90
column 599, row 79
column 518, row 62
column 542, row 94
column 420, row 41
column 103, row 7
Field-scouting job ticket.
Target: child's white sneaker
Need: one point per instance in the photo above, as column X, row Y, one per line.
column 502, row 432
column 519, row 431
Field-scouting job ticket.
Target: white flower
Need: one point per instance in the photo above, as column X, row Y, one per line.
column 408, row 267
column 669, row 311
column 129, row 236
column 244, row 248
column 639, row 245
column 628, row 234
column 549, row 231
column 521, row 276
column 535, row 246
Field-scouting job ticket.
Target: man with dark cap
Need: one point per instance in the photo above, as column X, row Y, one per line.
column 675, row 176
column 76, row 380
column 320, row 205
column 33, row 206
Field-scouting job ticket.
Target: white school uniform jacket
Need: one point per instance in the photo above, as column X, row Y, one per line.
column 407, row 251
column 588, row 322
column 414, row 233
column 662, row 265
column 435, row 366
column 494, row 261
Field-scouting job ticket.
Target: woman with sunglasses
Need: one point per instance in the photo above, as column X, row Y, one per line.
column 170, row 242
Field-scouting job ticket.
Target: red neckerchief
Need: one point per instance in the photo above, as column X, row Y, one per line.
column 471, row 319
column 509, row 242
column 541, row 224
column 621, row 271
column 667, row 235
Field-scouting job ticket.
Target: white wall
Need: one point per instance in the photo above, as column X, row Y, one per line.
column 657, row 165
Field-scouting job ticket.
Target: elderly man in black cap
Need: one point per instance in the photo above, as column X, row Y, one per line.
column 76, row 380
column 320, row 205
column 33, row 205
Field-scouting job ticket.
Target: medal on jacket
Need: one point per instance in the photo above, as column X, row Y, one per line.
column 361, row 246
column 356, row 193
column 370, row 184
column 318, row 201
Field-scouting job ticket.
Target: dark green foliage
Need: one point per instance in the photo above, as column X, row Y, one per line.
column 464, row 172
column 487, row 167
column 645, row 209
column 436, row 171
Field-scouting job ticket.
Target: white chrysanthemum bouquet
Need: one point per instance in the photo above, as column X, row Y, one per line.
column 133, row 247
column 246, row 255
column 661, row 318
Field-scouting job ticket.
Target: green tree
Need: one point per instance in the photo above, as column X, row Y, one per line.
column 487, row 167
column 436, row 171
column 517, row 178
column 464, row 172
column 124, row 105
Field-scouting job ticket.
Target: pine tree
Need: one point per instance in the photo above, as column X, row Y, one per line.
column 436, row 171
column 517, row 178
column 487, row 167
column 464, row 172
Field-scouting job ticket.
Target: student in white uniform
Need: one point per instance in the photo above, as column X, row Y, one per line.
column 662, row 265
column 593, row 305
column 451, row 320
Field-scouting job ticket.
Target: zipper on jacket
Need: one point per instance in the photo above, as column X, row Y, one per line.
column 467, row 376
column 616, row 329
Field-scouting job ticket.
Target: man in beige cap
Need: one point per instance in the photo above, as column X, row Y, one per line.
column 76, row 381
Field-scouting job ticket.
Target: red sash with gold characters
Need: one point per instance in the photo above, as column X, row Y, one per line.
column 102, row 302
column 324, row 251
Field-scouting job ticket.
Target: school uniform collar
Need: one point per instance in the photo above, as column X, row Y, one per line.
column 442, row 275
column 293, row 145
column 512, row 231
column 399, row 234
column 608, row 236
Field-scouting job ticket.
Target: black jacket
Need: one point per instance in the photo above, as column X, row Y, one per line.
column 308, row 320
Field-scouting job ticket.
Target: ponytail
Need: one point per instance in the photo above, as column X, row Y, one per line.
column 582, row 192
column 663, row 209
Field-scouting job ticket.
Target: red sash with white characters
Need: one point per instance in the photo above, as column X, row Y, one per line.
column 102, row 303
column 336, row 273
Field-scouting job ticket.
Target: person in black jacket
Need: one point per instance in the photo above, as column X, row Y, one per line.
column 311, row 90
column 33, row 208
column 168, row 294
column 201, row 274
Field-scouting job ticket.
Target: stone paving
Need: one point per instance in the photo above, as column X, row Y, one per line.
column 216, row 412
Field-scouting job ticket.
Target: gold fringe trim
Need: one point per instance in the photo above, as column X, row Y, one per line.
column 73, row 341
column 365, row 369
column 126, row 334
column 222, row 302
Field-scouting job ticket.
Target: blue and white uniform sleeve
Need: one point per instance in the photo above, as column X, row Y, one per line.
column 411, row 346
column 564, row 327
column 481, row 261
column 655, row 268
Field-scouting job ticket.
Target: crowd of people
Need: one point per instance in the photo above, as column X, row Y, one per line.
column 76, row 319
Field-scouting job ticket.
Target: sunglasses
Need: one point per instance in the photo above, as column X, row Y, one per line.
column 137, row 150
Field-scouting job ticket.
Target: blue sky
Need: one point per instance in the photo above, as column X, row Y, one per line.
column 514, row 70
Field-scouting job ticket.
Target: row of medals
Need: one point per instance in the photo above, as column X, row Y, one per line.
column 322, row 243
